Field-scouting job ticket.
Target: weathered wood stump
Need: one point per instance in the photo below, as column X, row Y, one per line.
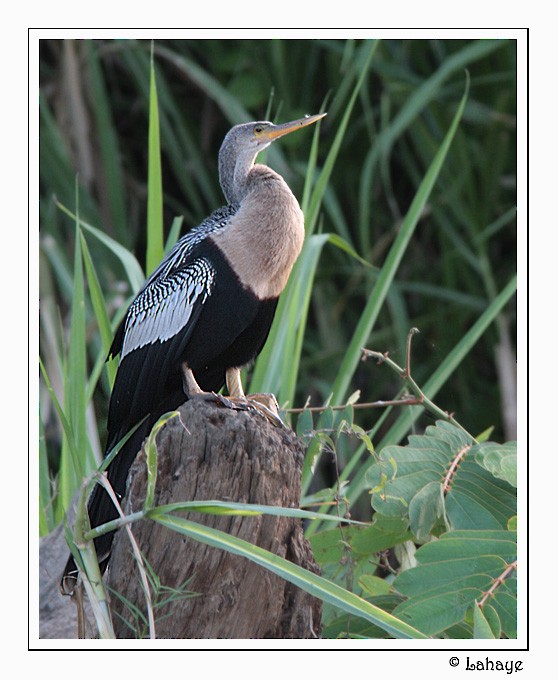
column 212, row 453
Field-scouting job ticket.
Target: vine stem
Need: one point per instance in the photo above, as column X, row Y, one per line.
column 405, row 375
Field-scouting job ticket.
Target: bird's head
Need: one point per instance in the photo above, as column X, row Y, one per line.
column 244, row 142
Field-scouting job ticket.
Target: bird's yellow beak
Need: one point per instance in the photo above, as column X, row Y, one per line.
column 275, row 131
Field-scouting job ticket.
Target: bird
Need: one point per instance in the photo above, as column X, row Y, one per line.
column 204, row 313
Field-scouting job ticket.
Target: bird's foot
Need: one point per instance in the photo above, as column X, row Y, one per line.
column 266, row 405
column 215, row 398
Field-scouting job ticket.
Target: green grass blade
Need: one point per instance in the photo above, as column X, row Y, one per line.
column 178, row 140
column 46, row 514
column 109, row 147
column 245, row 509
column 318, row 191
column 100, row 309
column 83, row 551
column 76, row 379
column 151, row 457
column 452, row 361
column 174, row 233
column 228, row 103
column 66, row 425
column 276, row 369
column 416, row 103
column 307, row 581
column 389, row 269
column 155, row 248
column 133, row 270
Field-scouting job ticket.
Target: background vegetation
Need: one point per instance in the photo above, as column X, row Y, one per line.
column 409, row 193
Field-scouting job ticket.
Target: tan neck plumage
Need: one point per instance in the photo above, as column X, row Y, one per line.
column 265, row 236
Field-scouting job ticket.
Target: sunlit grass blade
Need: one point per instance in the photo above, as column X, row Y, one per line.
column 178, row 142
column 217, row 507
column 391, row 264
column 151, row 457
column 307, row 581
column 277, row 366
column 155, row 249
column 76, row 374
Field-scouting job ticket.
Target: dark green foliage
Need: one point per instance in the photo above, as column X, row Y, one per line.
column 440, row 532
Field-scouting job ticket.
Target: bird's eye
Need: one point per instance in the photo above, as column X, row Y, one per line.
column 258, row 129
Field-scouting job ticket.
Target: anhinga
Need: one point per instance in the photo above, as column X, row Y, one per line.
column 205, row 312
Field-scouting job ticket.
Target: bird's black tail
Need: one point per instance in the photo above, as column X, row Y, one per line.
column 101, row 509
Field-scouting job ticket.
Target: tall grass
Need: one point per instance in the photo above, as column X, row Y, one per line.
column 407, row 188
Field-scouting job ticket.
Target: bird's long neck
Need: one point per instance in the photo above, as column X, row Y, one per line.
column 235, row 166
column 265, row 236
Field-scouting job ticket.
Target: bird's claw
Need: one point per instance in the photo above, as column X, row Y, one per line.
column 214, row 398
column 264, row 404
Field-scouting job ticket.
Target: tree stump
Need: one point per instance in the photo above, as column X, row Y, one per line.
column 213, row 453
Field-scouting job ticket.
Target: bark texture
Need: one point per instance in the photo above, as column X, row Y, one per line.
column 212, row 453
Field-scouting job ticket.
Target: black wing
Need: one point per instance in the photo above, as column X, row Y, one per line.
column 156, row 329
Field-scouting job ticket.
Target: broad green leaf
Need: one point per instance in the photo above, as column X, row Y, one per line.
column 499, row 459
column 304, row 423
column 407, row 418
column 436, row 478
column 424, row 509
column 481, row 627
column 453, row 573
column 374, row 585
column 383, row 533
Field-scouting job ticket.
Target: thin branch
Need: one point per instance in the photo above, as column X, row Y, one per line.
column 407, row 371
column 497, row 583
column 405, row 375
column 448, row 479
column 405, row 401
